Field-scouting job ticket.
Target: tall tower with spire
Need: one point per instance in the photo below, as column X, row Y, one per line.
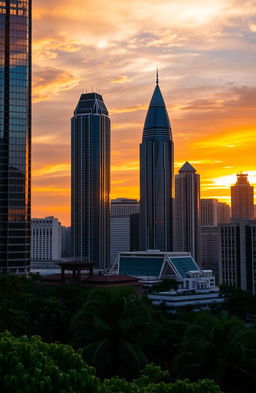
column 156, row 177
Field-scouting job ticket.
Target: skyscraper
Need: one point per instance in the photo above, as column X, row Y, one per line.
column 15, row 135
column 187, row 199
column 90, row 181
column 242, row 198
column 156, row 177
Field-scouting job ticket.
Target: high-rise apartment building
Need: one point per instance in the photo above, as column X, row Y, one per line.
column 209, row 246
column 90, row 181
column 156, row 177
column 124, row 212
column 224, row 213
column 212, row 213
column 45, row 239
column 238, row 254
column 187, row 201
column 15, row 135
column 208, row 212
column 242, row 198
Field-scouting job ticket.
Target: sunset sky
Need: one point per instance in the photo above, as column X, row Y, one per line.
column 206, row 55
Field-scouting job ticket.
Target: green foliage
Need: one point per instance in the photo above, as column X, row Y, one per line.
column 28, row 365
column 238, row 302
column 113, row 327
column 152, row 374
column 116, row 385
column 27, row 307
column 220, row 348
column 120, row 332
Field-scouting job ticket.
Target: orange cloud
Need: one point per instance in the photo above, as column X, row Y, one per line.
column 206, row 53
column 49, row 82
column 121, row 79
column 48, row 170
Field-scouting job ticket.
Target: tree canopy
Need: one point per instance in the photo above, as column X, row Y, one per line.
column 28, row 365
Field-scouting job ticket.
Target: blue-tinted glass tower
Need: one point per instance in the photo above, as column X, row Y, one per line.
column 15, row 135
column 90, row 181
column 156, row 178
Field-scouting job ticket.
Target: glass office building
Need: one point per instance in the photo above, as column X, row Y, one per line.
column 15, row 135
column 156, row 178
column 90, row 181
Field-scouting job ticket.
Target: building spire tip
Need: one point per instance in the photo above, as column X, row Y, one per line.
column 157, row 79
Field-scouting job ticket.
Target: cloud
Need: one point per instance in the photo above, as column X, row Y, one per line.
column 129, row 109
column 121, row 79
column 52, row 170
column 206, row 52
column 49, row 82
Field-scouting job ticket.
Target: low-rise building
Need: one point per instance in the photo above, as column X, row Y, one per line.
column 198, row 299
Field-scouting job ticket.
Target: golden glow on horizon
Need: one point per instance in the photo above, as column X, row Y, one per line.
column 205, row 52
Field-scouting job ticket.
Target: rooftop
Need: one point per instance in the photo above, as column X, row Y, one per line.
column 187, row 167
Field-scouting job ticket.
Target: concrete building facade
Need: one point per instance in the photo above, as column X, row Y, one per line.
column 122, row 230
column 187, row 202
column 238, row 254
column 242, row 205
column 45, row 239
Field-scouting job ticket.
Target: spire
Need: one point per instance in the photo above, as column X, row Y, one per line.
column 157, row 124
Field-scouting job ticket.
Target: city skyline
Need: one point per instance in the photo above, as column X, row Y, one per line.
column 205, row 57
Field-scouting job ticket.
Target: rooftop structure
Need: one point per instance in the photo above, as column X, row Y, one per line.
column 152, row 266
column 197, row 299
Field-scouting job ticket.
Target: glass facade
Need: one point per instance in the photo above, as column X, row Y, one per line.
column 15, row 135
column 156, row 178
column 90, row 181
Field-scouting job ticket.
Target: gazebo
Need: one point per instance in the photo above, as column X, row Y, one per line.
column 76, row 268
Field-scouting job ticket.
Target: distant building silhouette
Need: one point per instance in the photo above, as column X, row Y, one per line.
column 123, row 231
column 187, row 200
column 224, row 212
column 66, row 247
column 156, row 177
column 212, row 213
column 242, row 198
column 209, row 246
column 208, row 212
column 238, row 254
column 90, row 181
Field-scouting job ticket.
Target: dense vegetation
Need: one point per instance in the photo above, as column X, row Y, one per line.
column 119, row 334
column 28, row 365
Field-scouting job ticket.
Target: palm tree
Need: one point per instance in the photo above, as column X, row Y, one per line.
column 112, row 327
column 220, row 348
